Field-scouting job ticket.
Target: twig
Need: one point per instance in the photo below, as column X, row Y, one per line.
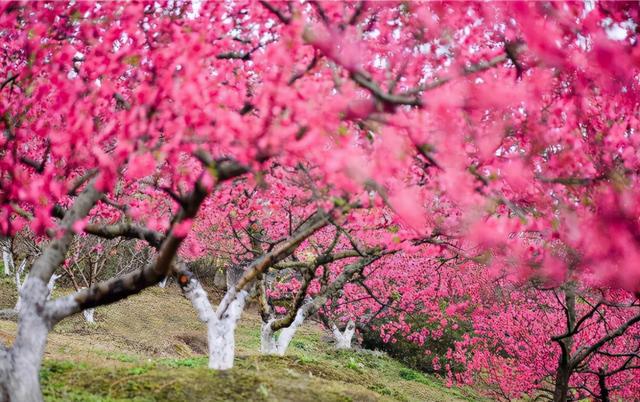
column 275, row 11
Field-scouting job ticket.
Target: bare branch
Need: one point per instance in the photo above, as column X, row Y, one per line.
column 275, row 11
column 126, row 230
column 299, row 74
column 312, row 224
column 585, row 352
column 11, row 78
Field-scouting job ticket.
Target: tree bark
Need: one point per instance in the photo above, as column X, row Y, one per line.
column 565, row 363
column 270, row 344
column 88, row 315
column 221, row 334
column 20, row 378
column 4, row 371
column 7, row 256
column 602, row 383
column 163, row 283
column 289, row 324
column 52, row 284
column 21, row 381
column 343, row 339
column 233, row 275
column 561, row 385
column 19, row 283
column 220, row 331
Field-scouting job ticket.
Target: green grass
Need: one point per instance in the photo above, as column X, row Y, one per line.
column 325, row 376
column 151, row 347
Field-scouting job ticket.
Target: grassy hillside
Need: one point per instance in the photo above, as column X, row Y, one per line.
column 151, row 347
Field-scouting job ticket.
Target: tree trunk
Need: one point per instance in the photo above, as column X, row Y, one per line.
column 602, row 383
column 222, row 343
column 20, row 374
column 20, row 380
column 343, row 339
column 268, row 341
column 163, row 283
column 88, row 315
column 4, row 372
column 222, row 346
column 20, row 284
column 18, row 305
column 561, row 385
column 52, row 284
column 7, row 256
column 272, row 345
column 220, row 330
column 234, row 273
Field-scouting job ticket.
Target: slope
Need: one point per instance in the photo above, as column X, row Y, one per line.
column 151, row 347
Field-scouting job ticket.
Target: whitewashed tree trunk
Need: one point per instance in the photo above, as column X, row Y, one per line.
column 270, row 344
column 20, row 365
column 20, row 284
column 343, row 339
column 21, row 372
column 6, row 262
column 52, row 284
column 222, row 343
column 18, row 305
column 5, row 359
column 7, row 257
column 268, row 341
column 220, row 330
column 88, row 315
column 163, row 283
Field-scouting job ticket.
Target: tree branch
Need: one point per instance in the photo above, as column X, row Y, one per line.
column 585, row 352
column 315, row 222
column 275, row 11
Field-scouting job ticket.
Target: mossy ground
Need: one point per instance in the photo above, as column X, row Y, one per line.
column 151, row 347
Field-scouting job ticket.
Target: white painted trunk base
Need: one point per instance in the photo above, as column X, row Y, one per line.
column 343, row 339
column 7, row 258
column 5, row 359
column 220, row 330
column 88, row 315
column 272, row 345
column 20, row 284
column 222, row 344
column 18, row 305
column 20, row 365
column 52, row 284
column 20, row 380
column 19, row 371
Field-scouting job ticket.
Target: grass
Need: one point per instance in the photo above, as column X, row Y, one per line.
column 151, row 347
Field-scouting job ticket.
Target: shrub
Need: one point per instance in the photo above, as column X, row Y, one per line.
column 420, row 357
